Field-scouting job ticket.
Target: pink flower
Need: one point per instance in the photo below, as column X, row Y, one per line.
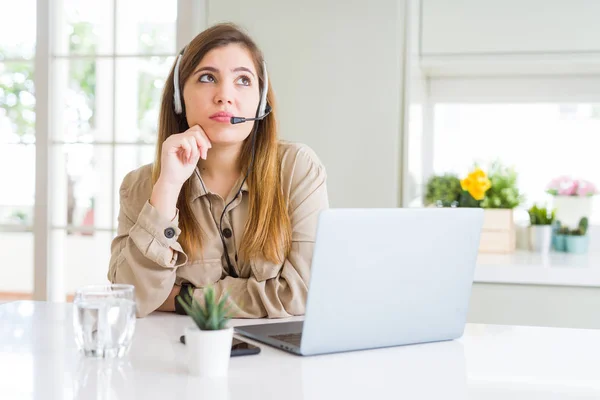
column 562, row 182
column 556, row 182
column 567, row 186
column 586, row 189
column 568, row 190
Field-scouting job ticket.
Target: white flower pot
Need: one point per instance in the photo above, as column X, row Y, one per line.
column 208, row 351
column 540, row 238
column 570, row 209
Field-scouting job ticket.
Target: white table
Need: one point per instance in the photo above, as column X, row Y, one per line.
column 38, row 360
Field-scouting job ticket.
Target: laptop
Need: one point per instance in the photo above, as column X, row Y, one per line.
column 382, row 278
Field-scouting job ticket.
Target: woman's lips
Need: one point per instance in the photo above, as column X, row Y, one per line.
column 222, row 116
column 221, row 119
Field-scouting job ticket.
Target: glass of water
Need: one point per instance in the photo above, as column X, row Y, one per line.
column 104, row 319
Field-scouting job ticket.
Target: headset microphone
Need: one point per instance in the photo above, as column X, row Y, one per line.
column 239, row 120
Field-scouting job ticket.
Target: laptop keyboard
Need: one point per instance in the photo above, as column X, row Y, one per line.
column 292, row 338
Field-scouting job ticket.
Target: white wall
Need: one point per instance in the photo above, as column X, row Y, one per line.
column 510, row 26
column 337, row 70
column 532, row 38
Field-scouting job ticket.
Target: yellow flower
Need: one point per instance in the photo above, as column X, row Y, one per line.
column 476, row 183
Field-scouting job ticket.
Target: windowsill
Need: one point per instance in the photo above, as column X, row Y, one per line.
column 526, row 268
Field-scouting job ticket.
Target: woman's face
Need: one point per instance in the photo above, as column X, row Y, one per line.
column 224, row 84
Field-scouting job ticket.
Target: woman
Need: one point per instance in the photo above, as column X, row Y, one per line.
column 224, row 204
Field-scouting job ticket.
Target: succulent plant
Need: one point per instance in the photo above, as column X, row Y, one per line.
column 582, row 228
column 541, row 215
column 211, row 316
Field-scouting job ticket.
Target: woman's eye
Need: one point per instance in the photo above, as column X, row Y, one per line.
column 208, row 78
column 243, row 80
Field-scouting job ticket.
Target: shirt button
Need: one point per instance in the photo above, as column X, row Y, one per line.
column 227, row 233
column 169, row 233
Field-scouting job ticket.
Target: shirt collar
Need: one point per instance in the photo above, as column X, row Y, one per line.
column 199, row 189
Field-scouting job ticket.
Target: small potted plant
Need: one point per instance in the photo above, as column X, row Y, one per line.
column 501, row 197
column 578, row 241
column 209, row 340
column 560, row 236
column 572, row 199
column 540, row 230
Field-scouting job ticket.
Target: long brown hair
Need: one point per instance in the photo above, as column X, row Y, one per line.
column 267, row 233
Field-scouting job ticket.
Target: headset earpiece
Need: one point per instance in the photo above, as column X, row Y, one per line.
column 263, row 95
column 177, row 101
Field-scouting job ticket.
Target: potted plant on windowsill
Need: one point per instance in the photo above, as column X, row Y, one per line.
column 500, row 199
column 540, row 230
column 572, row 199
column 559, row 236
column 578, row 240
column 209, row 341
column 495, row 191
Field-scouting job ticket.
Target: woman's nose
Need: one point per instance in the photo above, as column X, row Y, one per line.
column 224, row 94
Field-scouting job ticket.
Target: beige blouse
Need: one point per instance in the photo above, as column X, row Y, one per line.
column 140, row 252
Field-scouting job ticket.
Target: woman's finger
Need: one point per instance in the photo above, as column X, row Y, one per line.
column 185, row 145
column 202, row 142
column 194, row 147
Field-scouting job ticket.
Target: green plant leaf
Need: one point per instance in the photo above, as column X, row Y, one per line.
column 504, row 192
column 213, row 315
column 466, row 200
column 445, row 189
column 541, row 215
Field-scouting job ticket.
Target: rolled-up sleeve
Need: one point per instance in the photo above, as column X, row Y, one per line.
column 145, row 252
column 280, row 290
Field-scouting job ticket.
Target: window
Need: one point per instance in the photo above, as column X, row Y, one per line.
column 17, row 147
column 542, row 140
column 108, row 61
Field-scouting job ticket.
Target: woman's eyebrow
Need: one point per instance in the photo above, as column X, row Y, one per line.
column 238, row 69
column 215, row 70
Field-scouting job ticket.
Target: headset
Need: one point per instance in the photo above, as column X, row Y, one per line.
column 263, row 110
